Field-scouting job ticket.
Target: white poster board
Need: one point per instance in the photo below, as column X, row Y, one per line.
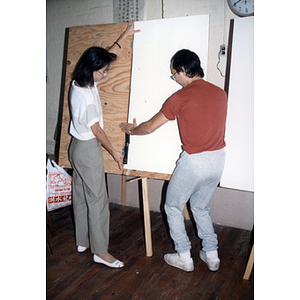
column 151, row 85
column 239, row 135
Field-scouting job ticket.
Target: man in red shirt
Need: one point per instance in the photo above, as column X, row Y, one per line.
column 201, row 109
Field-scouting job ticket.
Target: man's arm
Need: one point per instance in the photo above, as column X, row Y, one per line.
column 146, row 127
column 102, row 138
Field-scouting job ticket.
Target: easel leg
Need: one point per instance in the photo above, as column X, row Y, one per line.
column 123, row 199
column 186, row 213
column 249, row 265
column 147, row 222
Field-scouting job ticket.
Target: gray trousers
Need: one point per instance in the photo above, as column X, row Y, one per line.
column 89, row 195
column 195, row 177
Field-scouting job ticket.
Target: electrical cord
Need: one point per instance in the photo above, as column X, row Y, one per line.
column 219, row 57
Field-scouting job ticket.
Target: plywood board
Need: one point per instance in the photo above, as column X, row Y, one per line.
column 151, row 85
column 113, row 90
column 239, row 136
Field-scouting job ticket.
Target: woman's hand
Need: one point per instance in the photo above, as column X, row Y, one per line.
column 102, row 138
column 118, row 157
column 130, row 29
column 118, row 43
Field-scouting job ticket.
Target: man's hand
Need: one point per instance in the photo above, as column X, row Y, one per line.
column 125, row 127
column 146, row 127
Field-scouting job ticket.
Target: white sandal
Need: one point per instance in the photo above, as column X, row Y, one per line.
column 115, row 264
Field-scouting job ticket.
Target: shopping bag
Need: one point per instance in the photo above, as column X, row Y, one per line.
column 59, row 187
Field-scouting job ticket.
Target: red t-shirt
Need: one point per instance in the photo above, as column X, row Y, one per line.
column 201, row 110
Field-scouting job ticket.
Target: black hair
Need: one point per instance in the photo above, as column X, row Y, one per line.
column 93, row 59
column 187, row 61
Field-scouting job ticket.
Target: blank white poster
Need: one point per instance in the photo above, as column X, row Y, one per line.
column 239, row 135
column 151, row 85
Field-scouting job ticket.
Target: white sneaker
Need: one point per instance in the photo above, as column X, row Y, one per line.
column 212, row 261
column 175, row 261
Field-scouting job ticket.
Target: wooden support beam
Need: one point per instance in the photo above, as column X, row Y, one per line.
column 249, row 265
column 123, row 199
column 147, row 221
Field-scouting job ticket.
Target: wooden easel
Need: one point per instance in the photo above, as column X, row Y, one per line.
column 146, row 209
column 113, row 90
column 143, row 176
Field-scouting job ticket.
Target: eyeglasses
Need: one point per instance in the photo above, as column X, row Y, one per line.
column 104, row 74
column 173, row 76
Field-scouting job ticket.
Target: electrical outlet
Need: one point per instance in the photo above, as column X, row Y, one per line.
column 223, row 50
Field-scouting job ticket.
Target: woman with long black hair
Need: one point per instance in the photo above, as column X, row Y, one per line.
column 90, row 200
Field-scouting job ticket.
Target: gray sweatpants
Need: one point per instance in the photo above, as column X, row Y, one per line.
column 89, row 195
column 195, row 177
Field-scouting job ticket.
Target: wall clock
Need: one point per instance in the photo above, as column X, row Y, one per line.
column 242, row 8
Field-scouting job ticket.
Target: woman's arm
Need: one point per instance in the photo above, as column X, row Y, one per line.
column 146, row 127
column 102, row 138
column 118, row 43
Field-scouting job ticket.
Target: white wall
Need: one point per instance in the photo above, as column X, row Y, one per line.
column 239, row 135
column 227, row 205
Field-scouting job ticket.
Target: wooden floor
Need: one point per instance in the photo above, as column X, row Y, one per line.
column 73, row 275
